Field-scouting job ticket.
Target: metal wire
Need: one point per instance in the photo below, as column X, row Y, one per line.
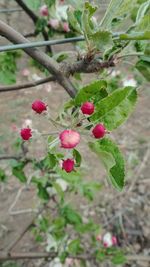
column 10, row 10
column 40, row 43
column 45, row 43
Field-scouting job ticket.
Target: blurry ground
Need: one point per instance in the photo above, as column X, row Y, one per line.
column 127, row 214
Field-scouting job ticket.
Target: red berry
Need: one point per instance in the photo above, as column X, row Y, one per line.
column 99, row 131
column 68, row 165
column 39, row 106
column 26, row 133
column 87, row 108
column 69, row 139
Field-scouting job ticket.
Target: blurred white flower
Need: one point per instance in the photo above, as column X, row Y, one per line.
column 36, row 77
column 56, row 263
column 107, row 240
column 27, row 123
column 115, row 73
column 54, row 23
column 129, row 81
column 63, row 184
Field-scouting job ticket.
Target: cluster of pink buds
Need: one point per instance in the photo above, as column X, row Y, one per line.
column 69, row 138
column 108, row 240
column 99, row 130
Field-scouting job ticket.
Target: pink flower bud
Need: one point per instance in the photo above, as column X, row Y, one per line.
column 54, row 23
column 69, row 262
column 69, row 139
column 25, row 72
column 99, row 238
column 26, row 133
column 114, row 240
column 39, row 106
column 87, row 108
column 99, row 131
column 44, row 11
column 68, row 165
column 66, row 27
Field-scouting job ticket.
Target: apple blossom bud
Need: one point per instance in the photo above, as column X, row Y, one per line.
column 99, row 131
column 38, row 106
column 44, row 11
column 26, row 133
column 68, row 165
column 66, row 27
column 87, row 108
column 69, row 139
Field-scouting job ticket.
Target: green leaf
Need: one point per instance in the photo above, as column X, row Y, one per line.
column 74, row 247
column 50, row 2
column 144, row 24
column 61, row 56
column 73, row 20
column 42, row 192
column 86, row 21
column 59, row 223
column 71, row 216
column 58, row 190
column 112, row 159
column 33, row 4
column 143, row 35
column 3, row 176
column 93, row 91
column 72, row 178
column 144, row 68
column 87, row 227
column 118, row 258
column 114, row 109
column 77, row 157
column 142, row 10
column 90, row 189
column 76, row 4
column 18, row 171
column 8, row 67
column 102, row 40
column 111, row 11
column 51, row 160
column 125, row 7
column 100, row 255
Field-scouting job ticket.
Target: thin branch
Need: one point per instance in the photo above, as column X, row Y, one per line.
column 31, row 14
column 52, row 255
column 50, row 64
column 30, row 34
column 5, row 157
column 25, row 85
column 34, row 18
